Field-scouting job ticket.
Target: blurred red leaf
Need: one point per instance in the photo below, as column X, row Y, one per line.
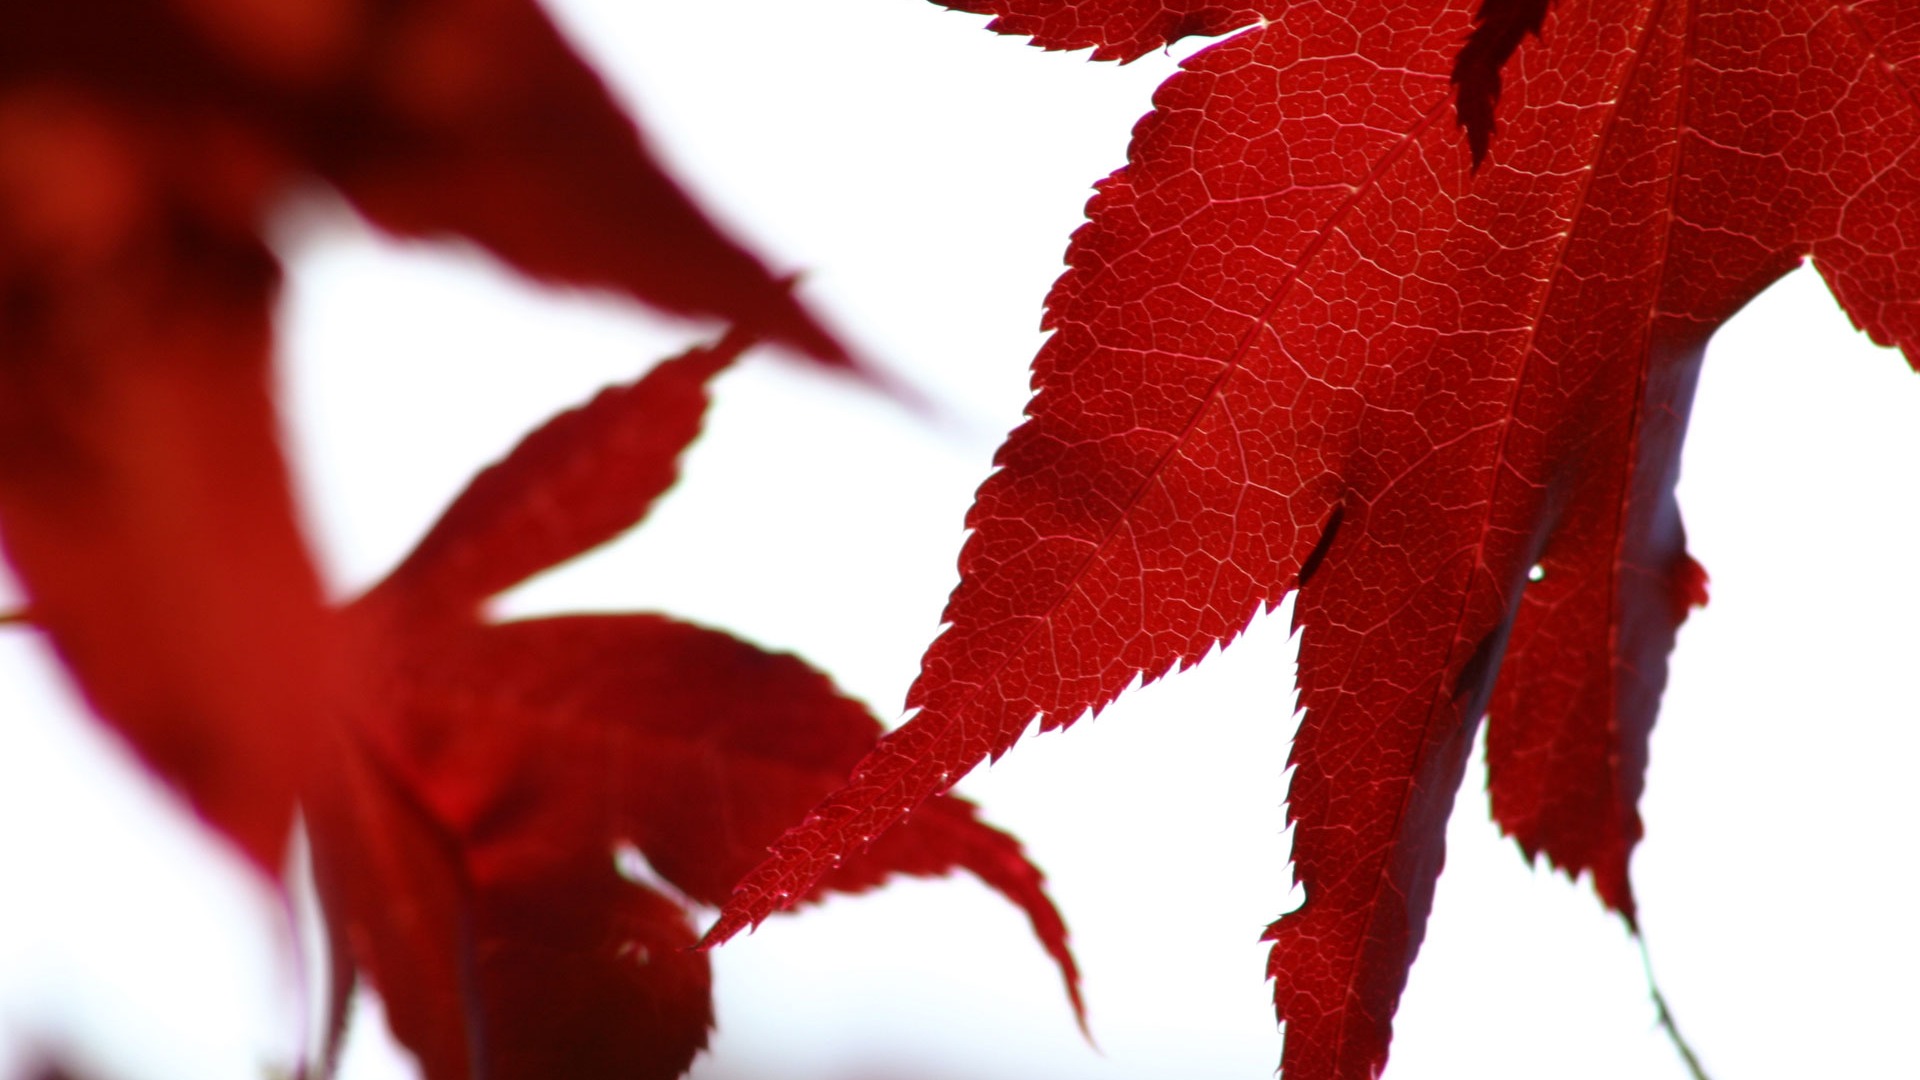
column 143, row 500
column 144, row 503
column 399, row 906
column 467, row 853
column 145, row 506
column 473, row 118
column 1308, row 339
column 586, row 476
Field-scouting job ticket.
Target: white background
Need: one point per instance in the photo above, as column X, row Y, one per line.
column 925, row 175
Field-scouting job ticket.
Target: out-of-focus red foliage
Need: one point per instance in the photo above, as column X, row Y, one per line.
column 468, row 788
column 143, row 499
column 465, row 849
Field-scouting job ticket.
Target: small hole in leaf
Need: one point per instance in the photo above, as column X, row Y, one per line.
column 1538, row 573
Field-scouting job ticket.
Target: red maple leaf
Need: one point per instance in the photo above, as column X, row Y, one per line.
column 465, row 841
column 466, row 785
column 143, row 500
column 1308, row 341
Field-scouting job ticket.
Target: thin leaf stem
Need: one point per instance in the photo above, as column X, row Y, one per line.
column 1664, row 1016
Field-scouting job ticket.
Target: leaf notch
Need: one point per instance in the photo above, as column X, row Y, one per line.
column 1498, row 29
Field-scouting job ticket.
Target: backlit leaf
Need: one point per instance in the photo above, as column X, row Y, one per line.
column 1304, row 341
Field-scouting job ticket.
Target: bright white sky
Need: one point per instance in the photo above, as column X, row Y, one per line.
column 925, row 174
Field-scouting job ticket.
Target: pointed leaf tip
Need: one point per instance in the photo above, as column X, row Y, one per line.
column 581, row 479
column 477, row 119
column 946, row 834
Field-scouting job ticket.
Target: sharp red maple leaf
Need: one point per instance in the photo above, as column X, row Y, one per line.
column 143, row 498
column 465, row 847
column 1307, row 341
